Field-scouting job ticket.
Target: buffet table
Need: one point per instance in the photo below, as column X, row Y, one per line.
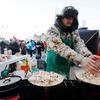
column 12, row 60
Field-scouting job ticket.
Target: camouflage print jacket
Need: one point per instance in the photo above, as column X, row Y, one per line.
column 55, row 43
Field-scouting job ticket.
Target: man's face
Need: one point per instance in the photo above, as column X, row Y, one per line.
column 68, row 21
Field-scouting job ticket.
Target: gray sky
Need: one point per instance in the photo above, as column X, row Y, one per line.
column 23, row 18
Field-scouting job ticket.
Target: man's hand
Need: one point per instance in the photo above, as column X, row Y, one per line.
column 97, row 59
column 90, row 64
column 94, row 57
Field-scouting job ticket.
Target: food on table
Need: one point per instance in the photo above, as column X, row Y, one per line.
column 43, row 78
column 88, row 77
column 4, row 58
column 18, row 54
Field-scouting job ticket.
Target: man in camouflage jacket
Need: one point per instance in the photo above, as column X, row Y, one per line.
column 65, row 28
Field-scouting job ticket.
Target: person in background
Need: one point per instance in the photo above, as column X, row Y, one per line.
column 42, row 46
column 65, row 45
column 31, row 47
column 23, row 48
column 38, row 50
column 14, row 46
column 45, row 46
column 27, row 47
column 3, row 45
column 33, row 44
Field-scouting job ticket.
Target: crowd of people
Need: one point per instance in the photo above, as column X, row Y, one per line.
column 25, row 47
column 34, row 47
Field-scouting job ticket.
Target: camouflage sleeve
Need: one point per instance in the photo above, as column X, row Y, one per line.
column 80, row 46
column 55, row 43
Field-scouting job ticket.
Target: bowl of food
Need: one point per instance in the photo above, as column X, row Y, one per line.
column 46, row 79
column 87, row 76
